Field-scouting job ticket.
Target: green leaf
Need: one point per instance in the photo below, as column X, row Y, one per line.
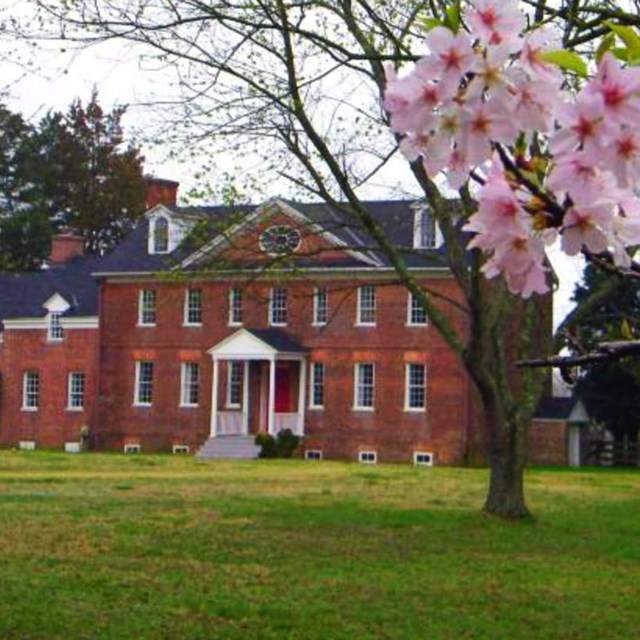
column 452, row 21
column 431, row 23
column 629, row 36
column 626, row 331
column 568, row 60
column 606, row 45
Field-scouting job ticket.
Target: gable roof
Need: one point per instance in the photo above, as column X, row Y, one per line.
column 23, row 295
column 395, row 218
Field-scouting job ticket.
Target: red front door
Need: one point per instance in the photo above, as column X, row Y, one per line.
column 283, row 388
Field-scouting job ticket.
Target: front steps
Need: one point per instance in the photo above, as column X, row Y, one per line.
column 230, row 447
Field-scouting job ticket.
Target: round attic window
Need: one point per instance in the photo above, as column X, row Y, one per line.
column 280, row 239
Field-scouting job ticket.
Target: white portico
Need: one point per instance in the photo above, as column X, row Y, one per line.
column 265, row 379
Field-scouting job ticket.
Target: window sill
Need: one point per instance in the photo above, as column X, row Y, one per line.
column 192, row 324
column 278, row 324
column 141, row 405
column 364, row 324
column 234, row 324
column 233, row 407
column 319, row 324
column 29, row 409
column 145, row 326
column 415, row 410
column 75, row 409
column 188, row 406
column 316, row 408
column 414, row 325
column 363, row 409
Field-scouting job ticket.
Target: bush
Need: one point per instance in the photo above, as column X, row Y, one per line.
column 268, row 444
column 283, row 446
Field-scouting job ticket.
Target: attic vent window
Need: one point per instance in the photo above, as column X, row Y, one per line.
column 161, row 236
column 279, row 240
column 424, row 229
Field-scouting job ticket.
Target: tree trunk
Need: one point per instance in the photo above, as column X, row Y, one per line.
column 508, row 460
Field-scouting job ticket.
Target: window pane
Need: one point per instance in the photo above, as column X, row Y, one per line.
column 234, row 384
column 279, row 312
column 76, row 390
column 161, row 236
column 317, row 384
column 190, row 383
column 145, row 383
column 418, row 314
column 148, row 306
column 365, row 382
column 320, row 306
column 56, row 332
column 31, row 390
column 194, row 306
column 367, row 305
column 235, row 306
column 416, row 386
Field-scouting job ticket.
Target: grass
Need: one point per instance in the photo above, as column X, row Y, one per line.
column 136, row 547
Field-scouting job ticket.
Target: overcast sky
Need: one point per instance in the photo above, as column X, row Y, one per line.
column 38, row 80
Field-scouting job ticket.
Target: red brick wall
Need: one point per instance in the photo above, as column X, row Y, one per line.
column 549, row 442
column 52, row 424
column 338, row 430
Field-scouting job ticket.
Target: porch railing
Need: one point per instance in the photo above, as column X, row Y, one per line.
column 288, row 421
column 230, row 423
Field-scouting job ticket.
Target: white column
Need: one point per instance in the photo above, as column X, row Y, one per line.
column 245, row 398
column 214, row 399
column 272, row 396
column 302, row 395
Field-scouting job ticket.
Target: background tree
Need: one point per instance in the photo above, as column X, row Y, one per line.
column 24, row 223
column 300, row 84
column 611, row 389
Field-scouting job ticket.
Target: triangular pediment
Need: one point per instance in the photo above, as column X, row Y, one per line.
column 242, row 345
column 242, row 241
column 56, row 304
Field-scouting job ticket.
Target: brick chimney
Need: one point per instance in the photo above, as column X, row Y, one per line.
column 64, row 247
column 161, row 191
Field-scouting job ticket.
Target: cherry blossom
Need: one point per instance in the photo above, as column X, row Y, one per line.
column 496, row 22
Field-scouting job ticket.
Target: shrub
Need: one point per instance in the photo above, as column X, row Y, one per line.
column 283, row 446
column 268, row 444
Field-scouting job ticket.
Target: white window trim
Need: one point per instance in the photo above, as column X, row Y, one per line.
column 183, row 379
column 231, row 322
column 316, row 452
column 180, row 449
column 140, row 309
column 356, row 406
column 71, row 407
column 185, row 316
column 132, row 448
column 25, row 406
column 316, row 407
column 423, row 453
column 271, row 298
column 410, row 322
column 361, row 455
column 407, row 408
column 136, row 387
column 50, row 317
column 152, row 236
column 316, row 322
column 358, row 322
column 228, row 404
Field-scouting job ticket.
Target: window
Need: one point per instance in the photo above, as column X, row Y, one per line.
column 193, row 307
column 190, row 384
column 278, row 313
column 31, row 391
column 316, row 393
column 424, row 228
column 320, row 306
column 423, row 458
column 147, row 308
column 132, row 448
column 416, row 388
column 144, row 384
column 366, row 306
column 161, row 236
column 368, row 457
column 313, row 454
column 75, row 390
column 235, row 307
column 417, row 315
column 182, row 449
column 365, row 386
column 56, row 332
column 234, row 384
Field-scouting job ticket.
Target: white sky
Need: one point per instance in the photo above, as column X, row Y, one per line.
column 57, row 78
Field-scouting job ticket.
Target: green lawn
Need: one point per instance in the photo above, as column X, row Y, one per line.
column 108, row 546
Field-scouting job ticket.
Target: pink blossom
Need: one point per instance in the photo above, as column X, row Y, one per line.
column 583, row 125
column 532, row 103
column 535, row 44
column 451, row 56
column 489, row 72
column 619, row 89
column 496, row 22
column 623, row 156
column 587, row 226
column 577, row 175
column 411, row 102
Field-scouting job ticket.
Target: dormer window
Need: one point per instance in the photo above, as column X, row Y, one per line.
column 55, row 330
column 426, row 234
column 161, row 236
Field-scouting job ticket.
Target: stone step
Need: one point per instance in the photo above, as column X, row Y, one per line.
column 234, row 447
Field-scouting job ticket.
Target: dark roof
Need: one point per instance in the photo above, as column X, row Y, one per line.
column 279, row 340
column 23, row 294
column 395, row 218
column 555, row 408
